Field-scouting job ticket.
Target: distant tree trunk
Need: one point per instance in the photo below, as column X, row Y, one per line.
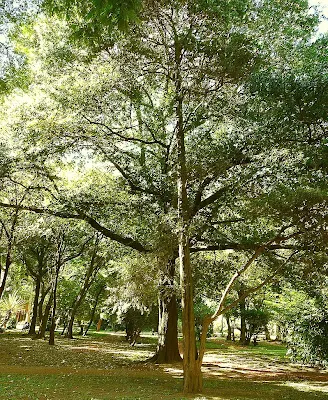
column 80, row 297
column 278, row 333
column 243, row 329
column 93, row 310
column 44, row 293
column 79, row 322
column 229, row 335
column 10, row 240
column 54, row 305
column 267, row 332
column 40, row 306
column 35, row 305
column 88, row 279
column 69, row 333
column 6, row 269
column 45, row 316
column 64, row 326
column 168, row 344
column 99, row 323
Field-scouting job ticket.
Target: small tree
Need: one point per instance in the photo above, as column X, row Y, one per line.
column 10, row 305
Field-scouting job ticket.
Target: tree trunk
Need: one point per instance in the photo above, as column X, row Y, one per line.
column 35, row 306
column 192, row 377
column 168, row 345
column 44, row 293
column 93, row 310
column 243, row 330
column 229, row 335
column 54, row 306
column 267, row 333
column 69, row 332
column 79, row 299
column 99, row 323
column 45, row 316
column 40, row 306
column 6, row 270
column 64, row 327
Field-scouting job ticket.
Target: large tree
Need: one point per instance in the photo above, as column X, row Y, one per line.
column 170, row 107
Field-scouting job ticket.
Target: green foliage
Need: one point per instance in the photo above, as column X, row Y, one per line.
column 256, row 319
column 12, row 71
column 202, row 310
column 9, row 306
column 95, row 22
column 302, row 319
column 308, row 340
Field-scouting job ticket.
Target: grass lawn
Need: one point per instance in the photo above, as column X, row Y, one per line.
column 104, row 366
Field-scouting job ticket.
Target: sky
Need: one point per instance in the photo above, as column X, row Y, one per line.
column 323, row 4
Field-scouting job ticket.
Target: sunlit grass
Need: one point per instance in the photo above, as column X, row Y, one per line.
column 308, row 386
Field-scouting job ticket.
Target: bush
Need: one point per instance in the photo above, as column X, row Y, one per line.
column 308, row 341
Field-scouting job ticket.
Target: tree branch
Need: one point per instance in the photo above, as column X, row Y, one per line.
column 250, row 246
column 118, row 133
column 254, row 288
column 125, row 240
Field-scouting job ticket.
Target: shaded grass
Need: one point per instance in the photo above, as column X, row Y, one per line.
column 123, row 385
column 119, row 385
column 103, row 366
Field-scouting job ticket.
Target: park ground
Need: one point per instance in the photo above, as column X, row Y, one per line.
column 103, row 366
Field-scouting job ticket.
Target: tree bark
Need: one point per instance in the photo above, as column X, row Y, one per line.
column 40, row 305
column 6, row 269
column 192, row 377
column 93, row 310
column 88, row 279
column 99, row 323
column 35, row 305
column 191, row 369
column 54, row 306
column 229, row 335
column 267, row 333
column 242, row 307
column 168, row 346
column 76, row 305
column 45, row 316
column 10, row 240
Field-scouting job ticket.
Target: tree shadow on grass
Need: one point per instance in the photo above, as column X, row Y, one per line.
column 236, row 389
